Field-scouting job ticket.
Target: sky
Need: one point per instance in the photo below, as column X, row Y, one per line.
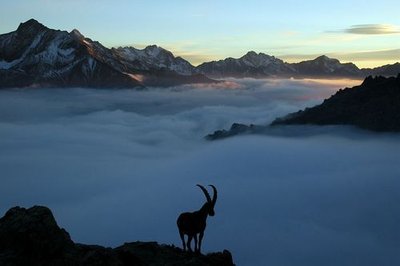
column 366, row 32
column 119, row 166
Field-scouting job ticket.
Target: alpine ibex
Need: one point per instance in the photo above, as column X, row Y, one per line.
column 193, row 223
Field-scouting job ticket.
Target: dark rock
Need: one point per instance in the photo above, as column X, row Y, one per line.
column 236, row 129
column 374, row 105
column 32, row 237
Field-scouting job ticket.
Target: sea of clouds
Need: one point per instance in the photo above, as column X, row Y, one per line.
column 118, row 166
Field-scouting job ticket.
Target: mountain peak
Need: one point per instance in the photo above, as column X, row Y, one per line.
column 31, row 25
column 254, row 55
column 154, row 47
column 76, row 33
column 251, row 53
column 324, row 58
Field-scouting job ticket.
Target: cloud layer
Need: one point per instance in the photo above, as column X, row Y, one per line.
column 373, row 29
column 119, row 166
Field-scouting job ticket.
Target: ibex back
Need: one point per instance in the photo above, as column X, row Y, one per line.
column 193, row 223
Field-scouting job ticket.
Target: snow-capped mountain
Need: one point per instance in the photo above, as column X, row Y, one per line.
column 260, row 65
column 153, row 58
column 325, row 66
column 250, row 65
column 35, row 55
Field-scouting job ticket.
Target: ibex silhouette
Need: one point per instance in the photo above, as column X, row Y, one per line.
column 193, row 223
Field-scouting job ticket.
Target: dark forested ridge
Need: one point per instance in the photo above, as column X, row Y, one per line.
column 374, row 105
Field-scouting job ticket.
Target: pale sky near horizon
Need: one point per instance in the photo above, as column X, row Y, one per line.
column 364, row 32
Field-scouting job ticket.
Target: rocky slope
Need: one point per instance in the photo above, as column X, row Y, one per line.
column 36, row 56
column 324, row 66
column 374, row 105
column 32, row 237
column 250, row 65
column 386, row 70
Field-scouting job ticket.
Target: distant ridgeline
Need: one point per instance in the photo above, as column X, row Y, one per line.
column 32, row 237
column 253, row 65
column 36, row 56
column 373, row 105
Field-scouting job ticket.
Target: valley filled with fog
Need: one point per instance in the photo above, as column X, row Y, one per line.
column 119, row 166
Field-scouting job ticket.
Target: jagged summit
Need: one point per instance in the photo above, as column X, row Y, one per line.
column 252, row 64
column 323, row 58
column 373, row 105
column 31, row 25
column 251, row 54
column 154, row 57
column 260, row 59
column 76, row 33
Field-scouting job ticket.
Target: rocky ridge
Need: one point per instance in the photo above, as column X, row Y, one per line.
column 373, row 105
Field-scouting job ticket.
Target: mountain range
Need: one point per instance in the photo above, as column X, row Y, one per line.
column 36, row 56
column 253, row 65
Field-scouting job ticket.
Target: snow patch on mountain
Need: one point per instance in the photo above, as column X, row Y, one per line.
column 155, row 57
column 7, row 65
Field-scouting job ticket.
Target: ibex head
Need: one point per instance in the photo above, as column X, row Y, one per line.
column 209, row 205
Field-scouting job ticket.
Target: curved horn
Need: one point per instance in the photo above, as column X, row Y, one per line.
column 215, row 194
column 205, row 192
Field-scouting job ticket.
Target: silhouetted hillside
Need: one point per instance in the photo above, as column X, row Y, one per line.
column 374, row 105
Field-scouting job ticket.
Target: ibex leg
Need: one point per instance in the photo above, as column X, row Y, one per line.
column 200, row 239
column 188, row 243
column 183, row 240
column 195, row 243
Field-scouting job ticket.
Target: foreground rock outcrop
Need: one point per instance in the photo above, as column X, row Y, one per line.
column 32, row 237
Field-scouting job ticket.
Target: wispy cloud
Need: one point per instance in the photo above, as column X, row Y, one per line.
column 371, row 29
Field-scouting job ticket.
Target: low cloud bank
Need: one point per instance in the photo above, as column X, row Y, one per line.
column 119, row 166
